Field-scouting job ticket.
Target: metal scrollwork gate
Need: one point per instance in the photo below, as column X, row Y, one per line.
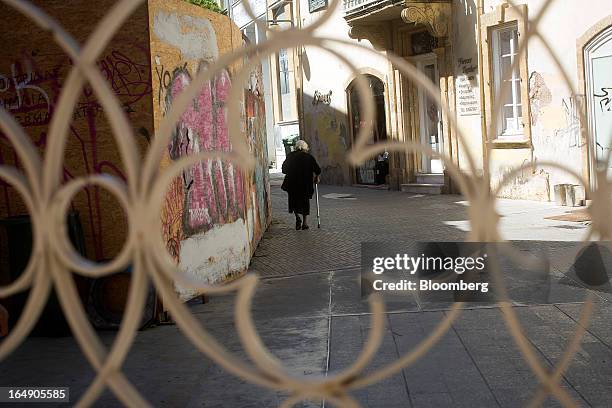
column 141, row 195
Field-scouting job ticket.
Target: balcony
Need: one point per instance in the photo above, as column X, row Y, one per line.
column 357, row 8
column 434, row 14
column 350, row 6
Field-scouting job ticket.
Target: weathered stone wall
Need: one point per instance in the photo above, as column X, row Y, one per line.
column 554, row 109
column 215, row 213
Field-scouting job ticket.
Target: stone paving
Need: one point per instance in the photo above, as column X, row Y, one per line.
column 309, row 311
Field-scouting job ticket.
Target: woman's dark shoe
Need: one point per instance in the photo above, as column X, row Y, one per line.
column 305, row 227
column 298, row 224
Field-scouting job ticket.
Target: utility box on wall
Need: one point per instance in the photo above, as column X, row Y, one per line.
column 150, row 59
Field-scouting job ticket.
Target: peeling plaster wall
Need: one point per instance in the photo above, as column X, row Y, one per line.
column 215, row 213
column 555, row 122
column 555, row 119
column 555, row 126
column 554, row 116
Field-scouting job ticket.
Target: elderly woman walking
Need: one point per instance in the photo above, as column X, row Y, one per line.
column 301, row 172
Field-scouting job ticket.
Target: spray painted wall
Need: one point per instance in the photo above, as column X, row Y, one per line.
column 327, row 133
column 32, row 73
column 215, row 213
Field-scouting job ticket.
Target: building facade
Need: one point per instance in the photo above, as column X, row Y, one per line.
column 215, row 213
column 278, row 71
column 468, row 49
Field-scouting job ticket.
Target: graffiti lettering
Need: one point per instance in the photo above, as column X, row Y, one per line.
column 322, row 98
column 30, row 92
column 164, row 78
column 23, row 88
column 605, row 102
column 213, row 189
column 571, row 132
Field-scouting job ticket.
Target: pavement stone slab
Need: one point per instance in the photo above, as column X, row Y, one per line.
column 309, row 311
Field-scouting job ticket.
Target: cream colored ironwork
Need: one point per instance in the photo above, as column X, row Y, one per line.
column 142, row 193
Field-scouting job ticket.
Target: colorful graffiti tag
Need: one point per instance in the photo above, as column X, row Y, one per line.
column 214, row 213
column 328, row 142
column 256, row 136
column 214, row 192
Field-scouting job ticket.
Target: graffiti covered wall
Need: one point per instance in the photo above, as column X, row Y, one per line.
column 215, row 213
column 327, row 133
column 258, row 180
column 32, row 73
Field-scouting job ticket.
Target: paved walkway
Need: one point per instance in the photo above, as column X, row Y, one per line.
column 309, row 312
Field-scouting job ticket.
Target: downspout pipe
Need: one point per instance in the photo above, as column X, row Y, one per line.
column 483, row 116
column 298, row 73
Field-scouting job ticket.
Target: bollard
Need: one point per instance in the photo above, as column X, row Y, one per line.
column 560, row 194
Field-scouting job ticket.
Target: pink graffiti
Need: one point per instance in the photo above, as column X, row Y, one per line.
column 214, row 189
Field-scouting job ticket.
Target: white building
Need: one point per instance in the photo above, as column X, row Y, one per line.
column 465, row 47
column 278, row 72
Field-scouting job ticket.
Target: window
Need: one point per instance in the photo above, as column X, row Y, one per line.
column 507, row 80
column 284, row 84
column 255, row 33
column 283, row 71
column 423, row 43
column 283, row 65
column 500, row 35
column 250, row 33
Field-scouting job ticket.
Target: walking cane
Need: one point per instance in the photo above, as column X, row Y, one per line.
column 317, row 200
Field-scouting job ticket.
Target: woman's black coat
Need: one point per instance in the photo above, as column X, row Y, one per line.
column 300, row 168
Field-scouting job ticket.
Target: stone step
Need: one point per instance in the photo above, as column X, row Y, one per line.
column 430, row 178
column 423, row 188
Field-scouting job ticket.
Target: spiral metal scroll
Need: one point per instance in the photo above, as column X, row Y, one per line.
column 142, row 192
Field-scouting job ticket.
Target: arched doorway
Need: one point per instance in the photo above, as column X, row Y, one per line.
column 598, row 79
column 374, row 170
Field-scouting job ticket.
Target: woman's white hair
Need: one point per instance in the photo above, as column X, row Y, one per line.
column 302, row 145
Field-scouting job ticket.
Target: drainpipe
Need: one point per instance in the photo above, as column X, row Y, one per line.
column 483, row 117
column 298, row 70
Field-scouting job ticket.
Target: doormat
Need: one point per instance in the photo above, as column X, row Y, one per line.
column 572, row 216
